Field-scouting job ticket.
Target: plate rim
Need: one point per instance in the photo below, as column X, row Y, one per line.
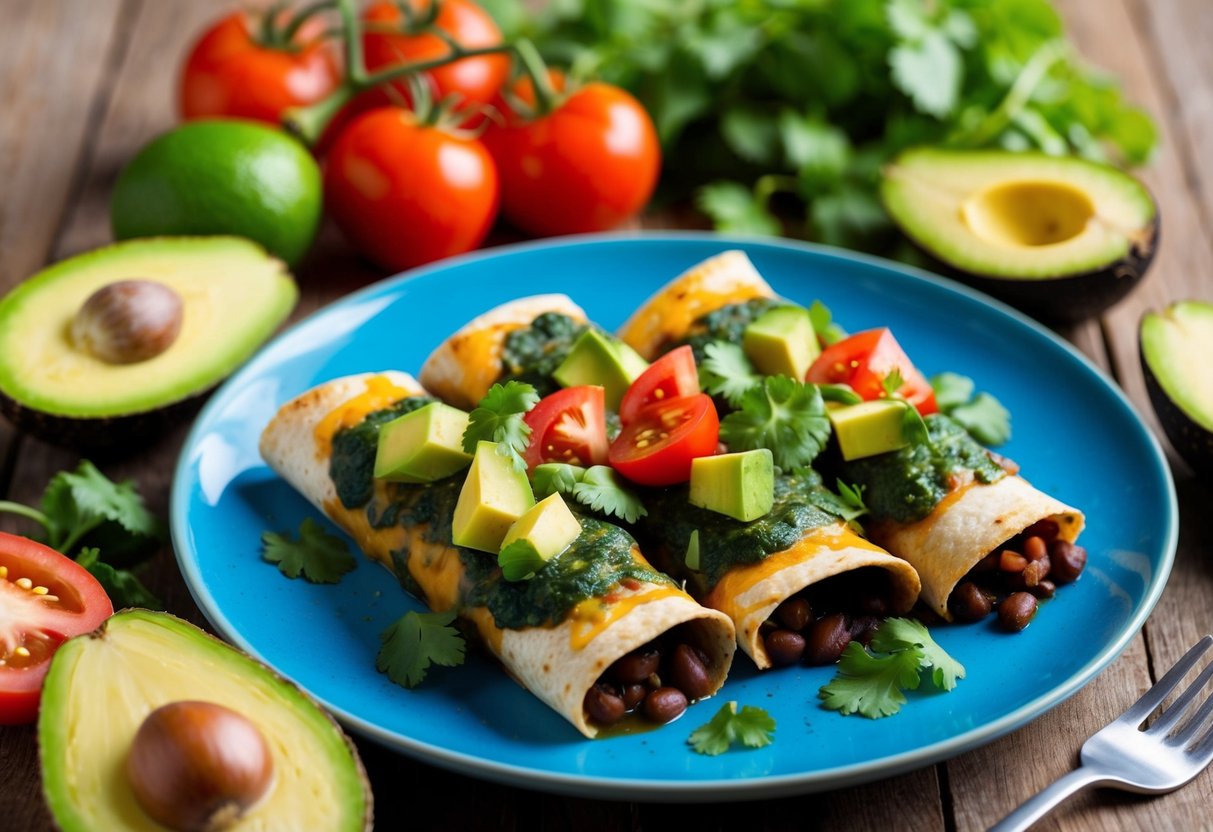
column 683, row 791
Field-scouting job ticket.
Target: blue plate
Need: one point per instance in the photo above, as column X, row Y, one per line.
column 1076, row 437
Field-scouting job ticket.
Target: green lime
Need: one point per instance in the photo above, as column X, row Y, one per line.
column 222, row 177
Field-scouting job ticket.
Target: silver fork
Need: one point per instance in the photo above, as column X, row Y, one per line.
column 1121, row 755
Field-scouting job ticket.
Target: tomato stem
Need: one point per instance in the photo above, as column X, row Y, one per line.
column 532, row 63
column 300, row 18
column 27, row 512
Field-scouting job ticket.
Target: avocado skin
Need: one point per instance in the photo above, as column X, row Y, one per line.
column 111, row 436
column 1191, row 441
column 1065, row 298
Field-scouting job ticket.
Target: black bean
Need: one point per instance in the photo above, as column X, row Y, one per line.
column 794, row 614
column 1016, row 610
column 987, row 564
column 1044, row 589
column 633, row 695
column 1035, row 548
column 826, row 639
column 1045, row 528
column 863, row 627
column 636, row 666
column 665, row 704
column 1010, row 561
column 968, row 603
column 784, row 647
column 603, row 706
column 1068, row 561
column 873, row 605
column 689, row 673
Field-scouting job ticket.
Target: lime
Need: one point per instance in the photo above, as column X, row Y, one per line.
column 222, row 177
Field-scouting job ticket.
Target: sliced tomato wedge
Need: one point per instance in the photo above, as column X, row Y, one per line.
column 657, row 447
column 670, row 377
column 864, row 361
column 568, row 426
column 45, row 599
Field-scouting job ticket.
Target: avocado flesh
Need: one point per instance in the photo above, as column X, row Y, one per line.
column 1022, row 216
column 1175, row 348
column 102, row 685
column 235, row 296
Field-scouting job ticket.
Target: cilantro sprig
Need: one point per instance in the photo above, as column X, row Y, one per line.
column 101, row 524
column 498, row 418
column 781, row 414
column 414, row 642
column 597, row 487
column 873, row 682
column 318, row 556
column 982, row 415
column 913, row 426
column 725, row 371
column 751, row 726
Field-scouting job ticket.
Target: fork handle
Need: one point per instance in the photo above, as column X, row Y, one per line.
column 1035, row 807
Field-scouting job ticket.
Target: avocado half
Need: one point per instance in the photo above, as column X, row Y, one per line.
column 1060, row 237
column 102, row 685
column 1175, row 347
column 233, row 295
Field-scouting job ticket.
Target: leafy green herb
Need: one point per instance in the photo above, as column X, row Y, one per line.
column 417, row 640
column 982, row 415
column 551, row 478
column 603, row 490
column 318, row 556
column 782, row 414
column 751, row 726
column 725, row 371
column 734, row 209
column 851, row 496
column 898, row 634
column 498, row 418
column 841, row 393
column 122, row 585
column 692, row 555
column 519, row 561
column 823, row 324
column 913, row 428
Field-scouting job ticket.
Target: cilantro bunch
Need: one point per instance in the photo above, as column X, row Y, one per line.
column 802, row 103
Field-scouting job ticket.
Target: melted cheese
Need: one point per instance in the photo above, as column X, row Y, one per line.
column 591, row 617
column 381, row 392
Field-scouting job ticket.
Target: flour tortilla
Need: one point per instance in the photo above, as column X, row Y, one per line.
column 558, row 664
column 966, row 526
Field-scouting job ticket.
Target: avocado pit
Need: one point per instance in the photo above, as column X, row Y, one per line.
column 128, row 321
column 1028, row 213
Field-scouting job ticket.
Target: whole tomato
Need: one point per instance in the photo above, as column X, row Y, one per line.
column 231, row 72
column 588, row 165
column 405, row 192
column 387, row 41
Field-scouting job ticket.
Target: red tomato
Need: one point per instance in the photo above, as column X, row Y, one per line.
column 477, row 79
column 657, row 448
column 864, row 360
column 588, row 165
column 45, row 599
column 568, row 426
column 229, row 72
column 406, row 193
column 669, row 377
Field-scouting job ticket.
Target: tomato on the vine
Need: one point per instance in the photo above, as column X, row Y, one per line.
column 406, row 193
column 45, row 599
column 657, row 447
column 669, row 377
column 568, row 426
column 231, row 72
column 588, row 165
column 387, row 41
column 865, row 360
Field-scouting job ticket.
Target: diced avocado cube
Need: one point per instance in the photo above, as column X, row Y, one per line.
column 422, row 446
column 741, row 485
column 782, row 342
column 541, row 534
column 869, row 428
column 596, row 358
column 493, row 497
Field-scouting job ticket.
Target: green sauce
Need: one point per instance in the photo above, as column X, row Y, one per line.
column 727, row 323
column 352, row 467
column 532, row 353
column 801, row 504
column 906, row 485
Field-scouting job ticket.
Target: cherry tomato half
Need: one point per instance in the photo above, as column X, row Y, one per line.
column 669, row 377
column 864, row 361
column 387, row 42
column 588, row 165
column 229, row 72
column 45, row 599
column 568, row 426
column 658, row 446
column 406, row 193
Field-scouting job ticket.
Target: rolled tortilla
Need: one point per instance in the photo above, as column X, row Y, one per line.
column 557, row 663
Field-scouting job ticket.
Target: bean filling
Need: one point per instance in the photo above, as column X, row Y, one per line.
column 815, row 625
column 1011, row 580
column 656, row 681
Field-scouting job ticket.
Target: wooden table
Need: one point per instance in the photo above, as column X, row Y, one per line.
column 84, row 83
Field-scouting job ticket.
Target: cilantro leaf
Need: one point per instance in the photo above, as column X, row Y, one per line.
column 824, row 325
column 982, row 415
column 782, row 414
column 417, row 640
column 519, row 561
column 899, row 634
column 914, row 427
column 951, row 390
column 752, row 727
column 872, row 685
column 725, row 371
column 319, row 557
column 929, row 70
column 77, row 503
column 736, row 209
column 851, row 497
column 498, row 418
column 892, row 382
column 603, row 490
column 122, row 585
column 551, row 478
